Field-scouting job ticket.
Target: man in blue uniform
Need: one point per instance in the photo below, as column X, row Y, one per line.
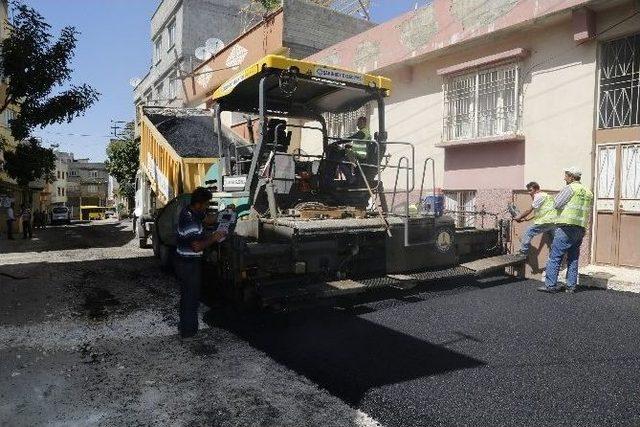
column 191, row 243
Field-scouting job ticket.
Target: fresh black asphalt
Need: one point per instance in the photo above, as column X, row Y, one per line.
column 492, row 353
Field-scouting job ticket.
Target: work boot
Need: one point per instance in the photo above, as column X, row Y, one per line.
column 549, row 289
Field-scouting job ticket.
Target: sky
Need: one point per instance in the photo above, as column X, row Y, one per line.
column 114, row 46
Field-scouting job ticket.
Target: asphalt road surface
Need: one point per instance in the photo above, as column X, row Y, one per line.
column 87, row 336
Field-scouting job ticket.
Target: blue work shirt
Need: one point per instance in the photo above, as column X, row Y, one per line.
column 190, row 229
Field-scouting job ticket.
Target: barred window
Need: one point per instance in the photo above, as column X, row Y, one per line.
column 620, row 83
column 461, row 205
column 341, row 125
column 482, row 104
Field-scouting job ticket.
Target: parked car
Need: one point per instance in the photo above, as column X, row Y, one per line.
column 61, row 215
column 109, row 214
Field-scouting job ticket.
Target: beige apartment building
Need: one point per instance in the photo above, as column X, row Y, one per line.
column 58, row 188
column 499, row 96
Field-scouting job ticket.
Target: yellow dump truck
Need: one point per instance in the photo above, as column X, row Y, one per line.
column 177, row 153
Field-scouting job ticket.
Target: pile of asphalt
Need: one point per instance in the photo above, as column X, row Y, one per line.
column 470, row 354
column 192, row 135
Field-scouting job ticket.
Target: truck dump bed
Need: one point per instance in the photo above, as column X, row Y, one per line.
column 178, row 147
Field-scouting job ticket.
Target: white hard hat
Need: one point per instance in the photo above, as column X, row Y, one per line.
column 573, row 170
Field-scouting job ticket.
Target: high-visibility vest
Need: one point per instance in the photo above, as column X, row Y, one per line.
column 360, row 147
column 546, row 213
column 577, row 209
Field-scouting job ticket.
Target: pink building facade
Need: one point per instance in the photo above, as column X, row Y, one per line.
column 499, row 96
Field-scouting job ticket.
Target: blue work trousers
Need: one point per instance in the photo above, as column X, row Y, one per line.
column 566, row 240
column 189, row 271
column 532, row 232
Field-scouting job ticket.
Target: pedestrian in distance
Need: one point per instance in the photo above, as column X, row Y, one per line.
column 25, row 217
column 43, row 219
column 192, row 241
column 544, row 215
column 11, row 217
column 36, row 219
column 573, row 206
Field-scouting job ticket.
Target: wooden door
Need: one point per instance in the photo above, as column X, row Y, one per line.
column 617, row 206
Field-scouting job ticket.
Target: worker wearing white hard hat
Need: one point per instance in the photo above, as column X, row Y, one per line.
column 573, row 206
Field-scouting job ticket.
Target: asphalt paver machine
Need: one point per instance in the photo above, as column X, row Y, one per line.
column 300, row 231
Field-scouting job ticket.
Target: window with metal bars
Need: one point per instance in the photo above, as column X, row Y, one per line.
column 620, row 83
column 482, row 104
column 461, row 205
column 341, row 125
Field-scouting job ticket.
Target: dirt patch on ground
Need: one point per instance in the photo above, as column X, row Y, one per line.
column 90, row 338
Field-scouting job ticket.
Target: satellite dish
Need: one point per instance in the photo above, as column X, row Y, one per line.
column 135, row 81
column 214, row 45
column 201, row 53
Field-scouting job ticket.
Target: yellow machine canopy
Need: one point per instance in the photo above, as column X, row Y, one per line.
column 299, row 88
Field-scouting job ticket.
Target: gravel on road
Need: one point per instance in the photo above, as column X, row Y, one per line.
column 88, row 337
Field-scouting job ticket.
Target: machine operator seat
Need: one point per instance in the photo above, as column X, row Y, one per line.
column 277, row 133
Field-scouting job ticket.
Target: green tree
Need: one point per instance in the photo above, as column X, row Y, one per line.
column 30, row 162
column 268, row 5
column 122, row 160
column 37, row 70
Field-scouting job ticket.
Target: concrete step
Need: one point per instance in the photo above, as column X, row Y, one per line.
column 485, row 266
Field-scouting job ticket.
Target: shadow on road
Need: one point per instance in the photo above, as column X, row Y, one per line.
column 345, row 352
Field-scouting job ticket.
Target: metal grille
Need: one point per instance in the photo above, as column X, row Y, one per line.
column 484, row 103
column 620, row 83
column 606, row 181
column 630, row 172
column 461, row 205
column 342, row 125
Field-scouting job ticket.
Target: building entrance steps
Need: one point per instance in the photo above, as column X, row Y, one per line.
column 607, row 277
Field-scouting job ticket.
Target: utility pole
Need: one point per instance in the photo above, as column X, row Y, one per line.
column 116, row 125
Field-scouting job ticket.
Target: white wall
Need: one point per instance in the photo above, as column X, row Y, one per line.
column 414, row 114
column 558, row 109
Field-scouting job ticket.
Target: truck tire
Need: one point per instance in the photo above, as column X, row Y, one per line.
column 165, row 254
column 141, row 234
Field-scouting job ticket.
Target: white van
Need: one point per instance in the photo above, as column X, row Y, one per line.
column 60, row 215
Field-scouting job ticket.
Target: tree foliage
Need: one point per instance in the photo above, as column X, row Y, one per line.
column 30, row 162
column 122, row 160
column 269, row 5
column 37, row 69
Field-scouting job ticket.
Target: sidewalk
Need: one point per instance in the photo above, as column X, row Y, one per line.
column 607, row 277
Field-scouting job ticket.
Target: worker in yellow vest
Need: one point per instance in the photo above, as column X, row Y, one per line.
column 351, row 149
column 544, row 215
column 573, row 206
